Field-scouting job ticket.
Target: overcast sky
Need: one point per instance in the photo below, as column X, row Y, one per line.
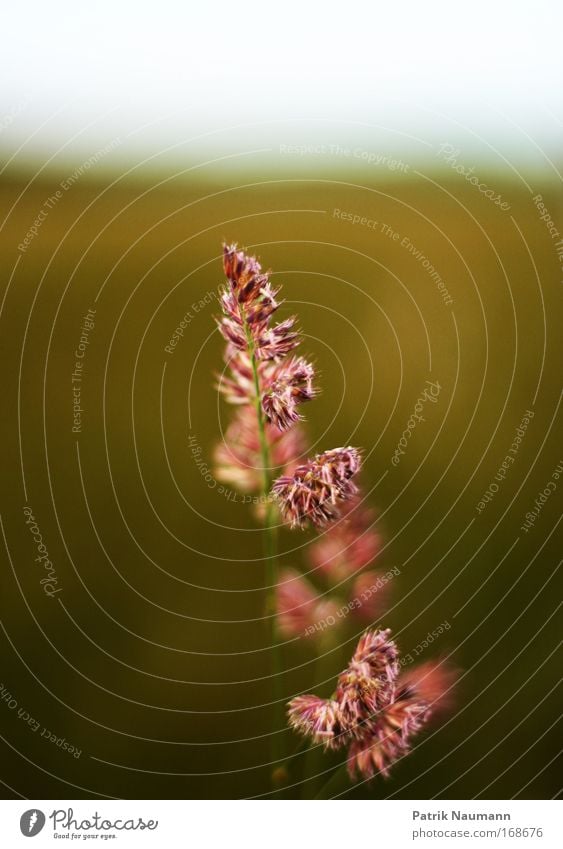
column 155, row 75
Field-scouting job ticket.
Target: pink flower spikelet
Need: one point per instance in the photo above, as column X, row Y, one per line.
column 317, row 718
column 373, row 710
column 287, row 385
column 316, row 490
column 369, row 594
column 299, row 605
column 387, row 739
column 347, row 546
column 368, row 683
column 238, row 460
column 249, row 302
column 364, row 686
column 236, row 384
column 431, row 682
column 282, row 385
column 421, row 694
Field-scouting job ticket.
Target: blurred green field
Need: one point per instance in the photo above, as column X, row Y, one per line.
column 152, row 658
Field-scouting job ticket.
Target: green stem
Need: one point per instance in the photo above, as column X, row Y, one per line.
column 314, row 771
column 337, row 784
column 270, row 554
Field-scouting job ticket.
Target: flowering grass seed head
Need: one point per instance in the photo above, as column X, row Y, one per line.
column 368, row 683
column 386, row 740
column 374, row 710
column 316, row 490
column 319, row 719
column 248, row 302
column 288, row 384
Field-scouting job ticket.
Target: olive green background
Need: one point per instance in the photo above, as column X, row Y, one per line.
column 153, row 658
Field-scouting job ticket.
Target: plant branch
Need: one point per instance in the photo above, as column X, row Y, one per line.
column 270, row 553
